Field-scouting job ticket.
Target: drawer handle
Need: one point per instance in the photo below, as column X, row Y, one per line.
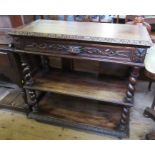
column 74, row 50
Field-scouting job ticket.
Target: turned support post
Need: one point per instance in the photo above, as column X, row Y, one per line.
column 26, row 70
column 131, row 85
column 30, row 96
column 33, row 104
column 124, row 118
column 129, row 98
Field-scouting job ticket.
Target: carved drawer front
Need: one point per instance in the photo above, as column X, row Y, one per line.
column 97, row 51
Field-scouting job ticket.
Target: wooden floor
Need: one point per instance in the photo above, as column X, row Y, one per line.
column 15, row 125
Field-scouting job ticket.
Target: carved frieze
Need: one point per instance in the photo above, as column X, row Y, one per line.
column 75, row 49
column 129, row 54
column 107, row 52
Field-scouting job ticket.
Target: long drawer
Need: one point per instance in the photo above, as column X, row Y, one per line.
column 81, row 49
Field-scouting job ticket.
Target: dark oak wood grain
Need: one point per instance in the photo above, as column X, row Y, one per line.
column 97, row 32
column 80, row 50
column 82, row 85
column 81, row 111
column 76, row 112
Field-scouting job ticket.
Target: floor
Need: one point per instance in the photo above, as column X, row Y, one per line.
column 15, row 125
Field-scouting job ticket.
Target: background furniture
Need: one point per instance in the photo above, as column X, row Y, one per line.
column 9, row 73
column 10, row 79
column 150, row 72
column 8, row 65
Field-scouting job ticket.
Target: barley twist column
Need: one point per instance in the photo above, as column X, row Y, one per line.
column 131, row 85
column 129, row 97
column 27, row 80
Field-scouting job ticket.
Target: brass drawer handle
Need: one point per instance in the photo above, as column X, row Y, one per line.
column 74, row 49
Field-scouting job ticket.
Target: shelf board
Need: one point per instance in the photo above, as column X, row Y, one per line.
column 80, row 113
column 13, row 100
column 82, row 85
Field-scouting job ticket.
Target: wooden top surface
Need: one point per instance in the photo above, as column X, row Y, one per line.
column 150, row 60
column 87, row 31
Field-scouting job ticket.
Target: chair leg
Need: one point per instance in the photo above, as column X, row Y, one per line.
column 153, row 103
column 150, row 136
column 149, row 86
column 149, row 111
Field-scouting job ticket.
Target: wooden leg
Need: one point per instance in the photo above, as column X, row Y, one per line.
column 27, row 78
column 153, row 103
column 124, row 119
column 129, row 98
column 33, row 103
column 150, row 112
column 149, row 86
column 131, row 85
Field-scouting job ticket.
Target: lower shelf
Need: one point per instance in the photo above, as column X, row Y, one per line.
column 13, row 100
column 80, row 113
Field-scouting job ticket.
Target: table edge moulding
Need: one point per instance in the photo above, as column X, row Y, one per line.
column 86, row 31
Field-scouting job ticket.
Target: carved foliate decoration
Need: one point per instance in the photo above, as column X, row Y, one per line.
column 139, row 55
column 74, row 49
column 107, row 52
column 131, row 54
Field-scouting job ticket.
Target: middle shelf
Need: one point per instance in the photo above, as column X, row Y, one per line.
column 83, row 85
